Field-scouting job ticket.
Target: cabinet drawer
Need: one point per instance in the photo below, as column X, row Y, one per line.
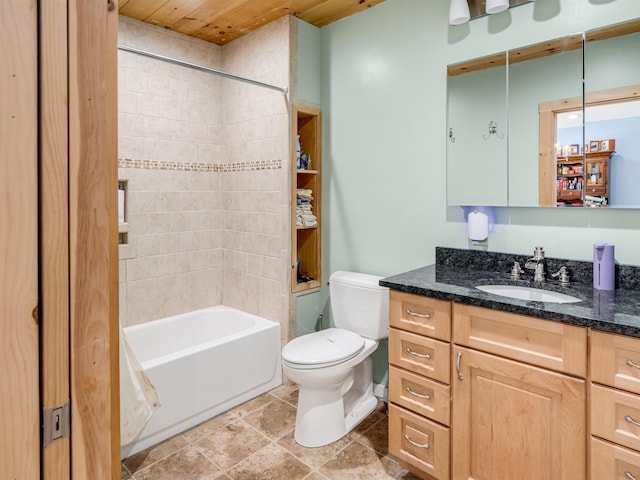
column 615, row 360
column 420, row 442
column 615, row 416
column 595, row 190
column 610, row 461
column 419, row 354
column 420, row 395
column 418, row 314
column 544, row 343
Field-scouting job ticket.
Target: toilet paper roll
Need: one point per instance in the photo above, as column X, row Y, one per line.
column 478, row 226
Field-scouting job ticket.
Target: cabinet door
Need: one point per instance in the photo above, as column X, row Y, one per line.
column 512, row 420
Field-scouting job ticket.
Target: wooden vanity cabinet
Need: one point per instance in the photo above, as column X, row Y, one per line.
column 419, row 378
column 614, row 406
column 515, row 411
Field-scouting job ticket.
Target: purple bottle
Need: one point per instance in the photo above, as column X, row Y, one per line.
column 603, row 267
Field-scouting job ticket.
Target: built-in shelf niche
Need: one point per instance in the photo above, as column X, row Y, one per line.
column 123, row 224
column 306, row 240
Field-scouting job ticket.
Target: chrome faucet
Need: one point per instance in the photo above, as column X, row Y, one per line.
column 537, row 264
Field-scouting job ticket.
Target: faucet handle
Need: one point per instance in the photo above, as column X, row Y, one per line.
column 516, row 271
column 562, row 275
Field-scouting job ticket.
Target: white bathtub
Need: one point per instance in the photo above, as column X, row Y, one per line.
column 203, row 363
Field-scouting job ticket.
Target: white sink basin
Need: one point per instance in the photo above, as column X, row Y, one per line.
column 527, row 293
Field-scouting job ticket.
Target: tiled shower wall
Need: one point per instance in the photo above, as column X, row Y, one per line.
column 206, row 162
column 256, row 204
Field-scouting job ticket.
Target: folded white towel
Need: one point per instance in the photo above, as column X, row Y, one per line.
column 304, row 194
column 306, row 220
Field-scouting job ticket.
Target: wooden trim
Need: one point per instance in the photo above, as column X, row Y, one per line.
column 517, row 55
column 612, row 31
column 612, row 95
column 54, row 226
column 543, row 49
column 477, row 64
column 93, row 176
column 19, row 382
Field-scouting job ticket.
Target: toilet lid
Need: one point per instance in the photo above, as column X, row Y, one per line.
column 326, row 347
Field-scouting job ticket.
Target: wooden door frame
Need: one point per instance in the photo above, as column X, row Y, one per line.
column 79, row 235
column 54, row 225
column 93, row 239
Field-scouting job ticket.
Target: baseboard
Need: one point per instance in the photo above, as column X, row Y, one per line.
column 381, row 392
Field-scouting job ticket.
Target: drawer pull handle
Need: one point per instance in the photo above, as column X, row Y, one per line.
column 628, row 476
column 631, row 363
column 418, row 315
column 419, row 395
column 458, row 366
column 419, row 445
column 629, row 419
column 416, row 354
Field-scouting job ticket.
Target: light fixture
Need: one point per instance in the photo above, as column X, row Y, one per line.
column 458, row 12
column 461, row 11
column 496, row 6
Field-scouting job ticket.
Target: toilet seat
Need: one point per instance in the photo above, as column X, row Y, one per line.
column 322, row 349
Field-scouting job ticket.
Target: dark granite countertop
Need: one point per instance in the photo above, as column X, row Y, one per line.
column 457, row 272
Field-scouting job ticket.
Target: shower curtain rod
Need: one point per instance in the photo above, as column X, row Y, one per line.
column 201, row 68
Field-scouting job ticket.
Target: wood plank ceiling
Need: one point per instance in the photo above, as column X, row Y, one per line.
column 221, row 21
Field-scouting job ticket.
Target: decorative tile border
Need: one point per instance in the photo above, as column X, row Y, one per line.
column 200, row 167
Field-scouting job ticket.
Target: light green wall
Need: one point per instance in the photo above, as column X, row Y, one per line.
column 384, row 139
column 384, row 104
column 308, row 63
column 308, row 89
column 384, row 89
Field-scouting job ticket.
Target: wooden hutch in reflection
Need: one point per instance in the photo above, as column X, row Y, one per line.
column 583, row 180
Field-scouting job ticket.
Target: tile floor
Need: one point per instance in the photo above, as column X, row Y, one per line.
column 255, row 441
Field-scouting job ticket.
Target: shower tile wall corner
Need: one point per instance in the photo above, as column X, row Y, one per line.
column 206, row 160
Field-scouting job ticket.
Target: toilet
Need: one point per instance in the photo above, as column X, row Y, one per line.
column 333, row 367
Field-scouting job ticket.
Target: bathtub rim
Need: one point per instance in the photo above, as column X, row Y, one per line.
column 259, row 324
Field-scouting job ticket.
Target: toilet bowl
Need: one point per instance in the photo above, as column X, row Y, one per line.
column 333, row 367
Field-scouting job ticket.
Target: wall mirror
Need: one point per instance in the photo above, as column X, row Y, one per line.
column 558, row 154
column 477, row 135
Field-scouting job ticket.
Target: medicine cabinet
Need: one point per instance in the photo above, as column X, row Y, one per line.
column 502, row 151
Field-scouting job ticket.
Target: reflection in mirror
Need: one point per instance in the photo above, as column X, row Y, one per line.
column 612, row 90
column 613, row 131
column 596, row 159
column 477, row 142
column 537, row 73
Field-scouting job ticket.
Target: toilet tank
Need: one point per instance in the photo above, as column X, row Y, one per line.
column 359, row 304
